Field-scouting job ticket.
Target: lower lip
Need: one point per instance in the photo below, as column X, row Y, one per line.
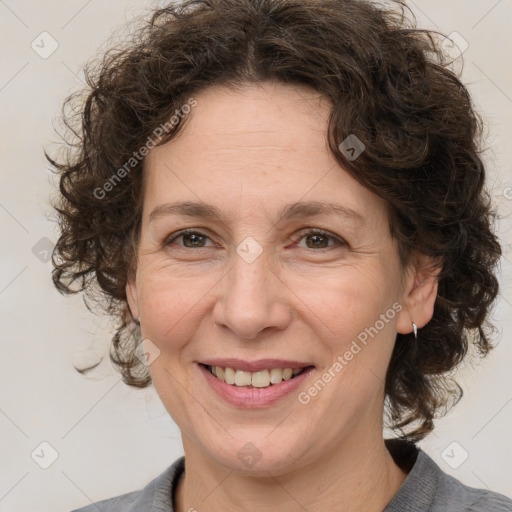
column 252, row 398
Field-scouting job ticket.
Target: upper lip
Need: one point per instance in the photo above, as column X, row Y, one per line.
column 255, row 366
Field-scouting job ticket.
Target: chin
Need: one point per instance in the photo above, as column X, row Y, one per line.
column 259, row 457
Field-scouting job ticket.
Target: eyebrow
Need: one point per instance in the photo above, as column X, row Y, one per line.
column 287, row 212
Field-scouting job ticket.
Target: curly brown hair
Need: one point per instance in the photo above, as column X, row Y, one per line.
column 390, row 85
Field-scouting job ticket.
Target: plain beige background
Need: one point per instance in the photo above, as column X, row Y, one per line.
column 105, row 437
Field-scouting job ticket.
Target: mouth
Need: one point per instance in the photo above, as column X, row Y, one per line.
column 263, row 378
column 254, row 385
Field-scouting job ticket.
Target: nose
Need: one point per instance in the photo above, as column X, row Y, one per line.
column 252, row 299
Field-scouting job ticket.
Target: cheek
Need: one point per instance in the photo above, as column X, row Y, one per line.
column 355, row 339
column 345, row 301
column 170, row 305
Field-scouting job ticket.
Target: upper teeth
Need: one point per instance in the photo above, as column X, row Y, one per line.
column 259, row 379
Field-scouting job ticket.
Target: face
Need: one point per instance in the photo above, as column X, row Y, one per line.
column 263, row 285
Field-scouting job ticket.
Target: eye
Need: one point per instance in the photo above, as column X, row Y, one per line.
column 191, row 238
column 319, row 239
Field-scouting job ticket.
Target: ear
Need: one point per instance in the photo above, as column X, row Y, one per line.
column 132, row 295
column 419, row 293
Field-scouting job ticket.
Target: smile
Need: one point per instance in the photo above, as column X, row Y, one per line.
column 260, row 379
column 258, row 384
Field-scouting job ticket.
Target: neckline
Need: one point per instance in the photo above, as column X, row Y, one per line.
column 406, row 454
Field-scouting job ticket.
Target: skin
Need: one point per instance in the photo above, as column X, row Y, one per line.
column 249, row 152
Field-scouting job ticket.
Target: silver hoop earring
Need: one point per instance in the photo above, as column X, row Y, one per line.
column 415, row 328
column 137, row 321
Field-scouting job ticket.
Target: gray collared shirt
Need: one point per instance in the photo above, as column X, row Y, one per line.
column 426, row 489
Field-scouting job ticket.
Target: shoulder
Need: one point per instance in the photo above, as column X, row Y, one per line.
column 155, row 496
column 123, row 502
column 454, row 494
column 428, row 488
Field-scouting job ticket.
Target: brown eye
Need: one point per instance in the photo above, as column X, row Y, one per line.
column 319, row 239
column 191, row 239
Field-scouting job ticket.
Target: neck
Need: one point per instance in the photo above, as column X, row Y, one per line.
column 359, row 474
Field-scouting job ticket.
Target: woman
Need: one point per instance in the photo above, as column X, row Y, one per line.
column 283, row 204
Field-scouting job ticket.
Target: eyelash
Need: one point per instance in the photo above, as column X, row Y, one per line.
column 311, row 231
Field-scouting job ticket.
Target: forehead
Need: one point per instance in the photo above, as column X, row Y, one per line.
column 268, row 119
column 253, row 148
